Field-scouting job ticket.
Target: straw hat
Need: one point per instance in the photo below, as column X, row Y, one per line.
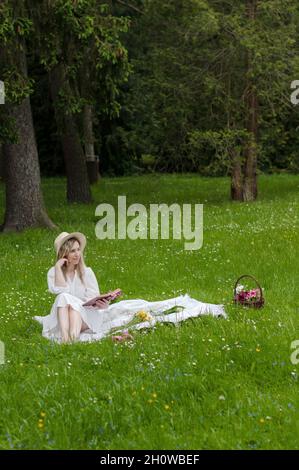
column 64, row 236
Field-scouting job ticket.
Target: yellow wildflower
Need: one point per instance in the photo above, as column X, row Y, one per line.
column 143, row 315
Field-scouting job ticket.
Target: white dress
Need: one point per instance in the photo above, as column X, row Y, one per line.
column 101, row 321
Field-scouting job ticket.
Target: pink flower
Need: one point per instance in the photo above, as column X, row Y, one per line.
column 116, row 338
column 246, row 295
column 123, row 337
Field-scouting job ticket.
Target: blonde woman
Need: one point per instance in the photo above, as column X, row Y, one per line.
column 73, row 283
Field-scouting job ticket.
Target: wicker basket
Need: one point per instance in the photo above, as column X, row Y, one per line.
column 258, row 301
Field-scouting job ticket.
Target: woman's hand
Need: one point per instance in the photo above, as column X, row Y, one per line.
column 61, row 262
column 59, row 280
column 102, row 304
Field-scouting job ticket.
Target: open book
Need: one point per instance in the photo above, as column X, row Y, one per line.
column 109, row 296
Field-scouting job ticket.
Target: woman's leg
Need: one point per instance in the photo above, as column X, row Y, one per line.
column 64, row 322
column 75, row 324
column 84, row 326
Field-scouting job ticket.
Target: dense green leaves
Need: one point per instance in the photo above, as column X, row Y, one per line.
column 161, row 74
column 190, row 73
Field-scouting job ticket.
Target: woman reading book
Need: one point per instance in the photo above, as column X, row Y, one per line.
column 80, row 312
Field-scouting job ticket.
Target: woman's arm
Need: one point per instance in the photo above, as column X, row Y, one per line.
column 59, row 277
column 57, row 285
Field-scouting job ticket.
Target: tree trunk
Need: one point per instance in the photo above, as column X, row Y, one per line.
column 24, row 200
column 250, row 165
column 236, row 177
column 91, row 158
column 250, row 175
column 78, row 189
column 1, row 163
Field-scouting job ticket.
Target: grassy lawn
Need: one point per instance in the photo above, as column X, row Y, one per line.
column 207, row 384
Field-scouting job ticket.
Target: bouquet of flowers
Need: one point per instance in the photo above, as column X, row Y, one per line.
column 248, row 295
column 140, row 317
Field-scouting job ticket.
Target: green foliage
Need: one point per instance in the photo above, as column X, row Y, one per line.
column 13, row 30
column 13, row 26
column 82, row 37
column 17, row 86
column 6, row 25
column 8, row 131
column 85, row 37
column 221, row 143
column 166, row 79
column 190, row 76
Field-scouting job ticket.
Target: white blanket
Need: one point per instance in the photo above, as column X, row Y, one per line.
column 101, row 322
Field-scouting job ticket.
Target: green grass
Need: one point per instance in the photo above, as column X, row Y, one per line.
column 219, row 384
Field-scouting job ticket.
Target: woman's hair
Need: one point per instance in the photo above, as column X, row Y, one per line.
column 63, row 253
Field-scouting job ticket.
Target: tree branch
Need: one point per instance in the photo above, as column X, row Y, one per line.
column 129, row 5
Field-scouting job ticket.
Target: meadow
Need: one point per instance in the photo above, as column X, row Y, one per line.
column 206, row 384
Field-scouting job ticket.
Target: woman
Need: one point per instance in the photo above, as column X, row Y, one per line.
column 73, row 283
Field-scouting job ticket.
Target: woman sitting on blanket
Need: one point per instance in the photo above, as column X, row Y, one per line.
column 74, row 284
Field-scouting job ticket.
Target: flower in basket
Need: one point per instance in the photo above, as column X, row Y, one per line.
column 243, row 295
column 252, row 294
column 239, row 289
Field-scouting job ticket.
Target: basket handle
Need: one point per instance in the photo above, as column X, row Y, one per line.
column 252, row 277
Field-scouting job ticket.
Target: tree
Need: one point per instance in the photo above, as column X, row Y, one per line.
column 263, row 36
column 24, row 201
column 255, row 49
column 78, row 189
column 79, row 45
column 251, row 103
column 209, row 66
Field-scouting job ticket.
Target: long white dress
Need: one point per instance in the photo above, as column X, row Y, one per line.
column 101, row 321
